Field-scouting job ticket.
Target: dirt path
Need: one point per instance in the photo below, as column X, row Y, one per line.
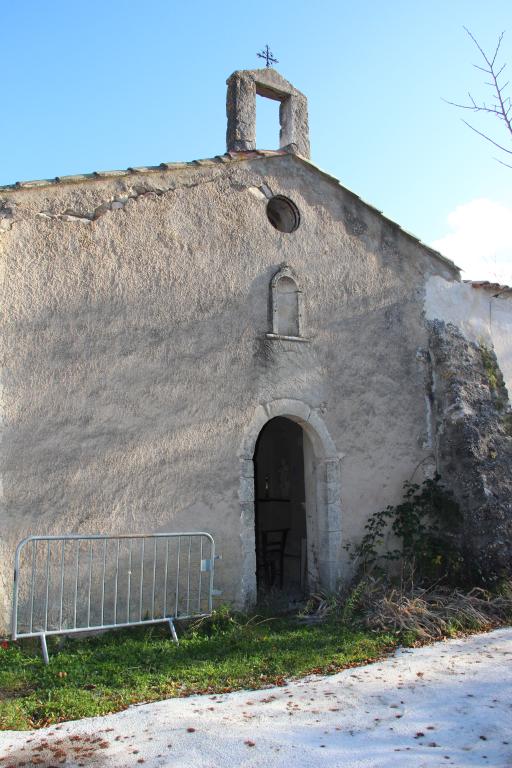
column 446, row 704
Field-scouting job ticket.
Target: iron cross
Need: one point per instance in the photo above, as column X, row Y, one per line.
column 268, row 55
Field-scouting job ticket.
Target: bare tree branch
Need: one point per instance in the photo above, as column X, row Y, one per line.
column 501, row 105
column 488, row 138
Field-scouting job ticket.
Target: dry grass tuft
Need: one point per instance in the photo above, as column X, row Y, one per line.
column 436, row 613
column 430, row 613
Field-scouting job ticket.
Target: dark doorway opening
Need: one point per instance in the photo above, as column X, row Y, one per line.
column 280, row 509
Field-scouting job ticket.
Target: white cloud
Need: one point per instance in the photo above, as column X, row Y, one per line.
column 480, row 240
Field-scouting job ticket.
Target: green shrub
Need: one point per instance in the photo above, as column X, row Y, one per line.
column 426, row 527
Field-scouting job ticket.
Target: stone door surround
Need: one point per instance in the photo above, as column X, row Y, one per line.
column 323, row 497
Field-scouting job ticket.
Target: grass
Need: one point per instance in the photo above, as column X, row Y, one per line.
column 106, row 673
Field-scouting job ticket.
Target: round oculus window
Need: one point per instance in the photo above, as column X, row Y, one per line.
column 283, row 214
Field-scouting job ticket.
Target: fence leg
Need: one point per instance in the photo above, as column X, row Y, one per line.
column 44, row 649
column 173, row 631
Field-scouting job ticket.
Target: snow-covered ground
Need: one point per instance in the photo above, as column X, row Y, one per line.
column 445, row 704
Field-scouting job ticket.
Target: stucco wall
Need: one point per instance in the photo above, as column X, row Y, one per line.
column 135, row 355
column 483, row 315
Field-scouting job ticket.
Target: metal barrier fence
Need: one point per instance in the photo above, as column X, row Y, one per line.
column 74, row 583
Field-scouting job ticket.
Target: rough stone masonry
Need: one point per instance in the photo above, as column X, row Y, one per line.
column 473, row 430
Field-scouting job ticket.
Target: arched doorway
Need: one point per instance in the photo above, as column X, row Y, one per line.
column 280, row 509
column 322, row 493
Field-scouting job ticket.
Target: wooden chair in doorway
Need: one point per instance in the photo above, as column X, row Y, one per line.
column 271, row 561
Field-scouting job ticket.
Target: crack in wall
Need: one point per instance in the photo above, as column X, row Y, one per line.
column 116, row 203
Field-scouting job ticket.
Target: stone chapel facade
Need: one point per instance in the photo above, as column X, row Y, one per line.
column 235, row 345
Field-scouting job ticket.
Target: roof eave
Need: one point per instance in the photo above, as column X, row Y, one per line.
column 229, row 157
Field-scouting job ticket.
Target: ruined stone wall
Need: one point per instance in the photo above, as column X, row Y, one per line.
column 473, row 437
column 484, row 315
column 135, row 353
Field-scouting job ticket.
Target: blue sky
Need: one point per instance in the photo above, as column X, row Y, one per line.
column 103, row 85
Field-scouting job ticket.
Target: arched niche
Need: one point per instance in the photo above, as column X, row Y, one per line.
column 287, row 306
column 322, row 490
